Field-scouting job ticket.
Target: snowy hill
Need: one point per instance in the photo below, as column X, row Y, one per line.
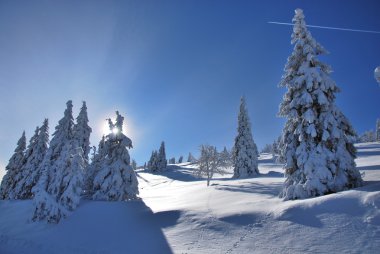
column 179, row 214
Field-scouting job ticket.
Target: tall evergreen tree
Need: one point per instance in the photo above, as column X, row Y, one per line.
column 378, row 130
column 317, row 138
column 244, row 152
column 116, row 180
column 35, row 154
column 82, row 132
column 13, row 168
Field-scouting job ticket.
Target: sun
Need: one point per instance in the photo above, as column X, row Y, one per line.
column 115, row 130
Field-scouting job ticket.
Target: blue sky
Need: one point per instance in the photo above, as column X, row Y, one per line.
column 174, row 69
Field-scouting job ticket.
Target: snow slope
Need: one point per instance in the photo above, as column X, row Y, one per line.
column 179, row 214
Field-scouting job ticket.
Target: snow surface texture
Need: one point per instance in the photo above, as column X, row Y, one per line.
column 179, row 214
column 317, row 138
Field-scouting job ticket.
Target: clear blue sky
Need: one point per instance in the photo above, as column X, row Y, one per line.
column 175, row 69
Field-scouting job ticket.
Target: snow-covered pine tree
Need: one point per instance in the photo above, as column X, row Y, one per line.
column 134, row 165
column 317, row 138
column 116, row 180
column 94, row 167
column 378, row 130
column 180, row 160
column 172, row 160
column 13, row 168
column 73, row 180
column 152, row 163
column 58, row 176
column 244, row 153
column 225, row 157
column 191, row 158
column 35, row 154
column 367, row 136
column 82, row 132
column 18, row 179
column 162, row 162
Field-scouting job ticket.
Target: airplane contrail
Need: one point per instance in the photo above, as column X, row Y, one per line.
column 328, row 27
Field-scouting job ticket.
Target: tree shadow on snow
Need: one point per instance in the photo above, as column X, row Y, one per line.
column 116, row 227
column 272, row 189
column 373, row 167
column 175, row 172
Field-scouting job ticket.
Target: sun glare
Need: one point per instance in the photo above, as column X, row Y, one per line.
column 115, row 130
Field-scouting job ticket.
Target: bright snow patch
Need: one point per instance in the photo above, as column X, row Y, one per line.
column 179, row 214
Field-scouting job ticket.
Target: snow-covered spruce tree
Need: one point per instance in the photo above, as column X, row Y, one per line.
column 191, row 158
column 13, row 169
column 153, row 161
column 367, row 136
column 134, row 165
column 116, row 180
column 180, row 160
column 172, row 160
column 73, row 180
column 31, row 171
column 225, row 157
column 82, row 132
column 244, row 152
column 162, row 162
column 91, row 171
column 56, row 193
column 317, row 138
column 378, row 130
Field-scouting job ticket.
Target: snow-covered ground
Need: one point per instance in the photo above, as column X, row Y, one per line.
column 180, row 214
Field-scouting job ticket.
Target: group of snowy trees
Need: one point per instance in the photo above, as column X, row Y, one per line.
column 370, row 136
column 317, row 143
column 157, row 161
column 316, row 146
column 57, row 174
column 23, row 169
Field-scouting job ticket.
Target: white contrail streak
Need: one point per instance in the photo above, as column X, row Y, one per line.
column 328, row 27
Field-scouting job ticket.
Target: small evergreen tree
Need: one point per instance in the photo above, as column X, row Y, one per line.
column 153, row 162
column 378, row 130
column 225, row 158
column 134, row 165
column 162, row 162
column 116, row 180
column 14, row 167
column 317, row 138
column 191, row 158
column 245, row 154
column 180, row 160
column 172, row 160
